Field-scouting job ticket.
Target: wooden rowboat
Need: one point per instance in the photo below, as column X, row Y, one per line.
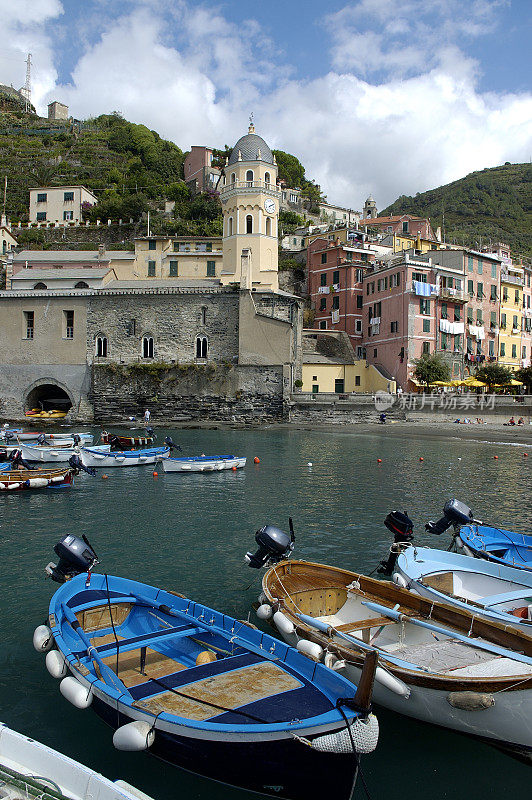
column 25, row 479
column 202, row 690
column 202, row 463
column 126, row 442
column 438, row 663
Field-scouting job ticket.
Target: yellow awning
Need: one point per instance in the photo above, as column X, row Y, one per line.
column 515, row 382
column 474, row 383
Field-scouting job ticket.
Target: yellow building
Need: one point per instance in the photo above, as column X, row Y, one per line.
column 511, row 315
column 163, row 257
column 330, row 367
column 407, row 241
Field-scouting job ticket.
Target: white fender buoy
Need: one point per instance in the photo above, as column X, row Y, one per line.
column 283, row 624
column 262, row 598
column 43, row 639
column 264, row 611
column 13, row 486
column 56, row 664
column 134, row 737
column 398, row 579
column 310, row 649
column 38, row 483
column 77, row 694
column 392, row 683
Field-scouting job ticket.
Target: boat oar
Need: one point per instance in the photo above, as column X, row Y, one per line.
column 107, row 674
column 487, row 646
column 381, row 675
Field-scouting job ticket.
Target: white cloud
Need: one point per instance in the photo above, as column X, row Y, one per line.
column 187, row 72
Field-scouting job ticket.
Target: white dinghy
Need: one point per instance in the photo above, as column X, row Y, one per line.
column 202, row 463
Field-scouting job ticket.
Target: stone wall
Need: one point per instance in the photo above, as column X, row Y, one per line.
column 245, row 394
column 69, row 238
column 17, row 380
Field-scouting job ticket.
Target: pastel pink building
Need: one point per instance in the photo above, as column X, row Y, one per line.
column 401, row 223
column 200, row 175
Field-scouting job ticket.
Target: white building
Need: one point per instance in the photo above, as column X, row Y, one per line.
column 59, row 204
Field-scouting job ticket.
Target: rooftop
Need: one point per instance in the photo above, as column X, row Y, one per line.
column 251, row 147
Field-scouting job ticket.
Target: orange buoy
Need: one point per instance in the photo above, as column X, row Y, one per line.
column 234, row 469
column 421, row 458
column 256, row 460
column 495, row 456
column 525, row 454
column 155, row 474
column 205, row 657
column 379, row 461
column 104, row 477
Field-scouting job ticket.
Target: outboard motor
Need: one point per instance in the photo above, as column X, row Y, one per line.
column 8, row 435
column 75, row 556
column 76, row 463
column 41, row 438
column 454, row 513
column 17, row 461
column 76, row 439
column 168, row 441
column 402, row 527
column 150, row 432
column 274, row 545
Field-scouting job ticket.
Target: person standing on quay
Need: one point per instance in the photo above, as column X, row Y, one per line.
column 147, row 416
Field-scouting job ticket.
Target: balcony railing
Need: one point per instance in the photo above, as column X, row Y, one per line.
column 269, row 187
column 454, row 295
column 515, row 279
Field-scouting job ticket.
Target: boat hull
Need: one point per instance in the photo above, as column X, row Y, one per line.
column 125, row 458
column 203, row 464
column 59, row 454
column 496, row 545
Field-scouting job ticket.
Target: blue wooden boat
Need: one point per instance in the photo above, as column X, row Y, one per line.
column 94, row 457
column 203, row 690
column 490, row 590
column 495, row 544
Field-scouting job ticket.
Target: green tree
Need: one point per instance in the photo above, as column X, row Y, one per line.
column 289, row 221
column 429, row 368
column 289, row 169
column 525, row 375
column 494, row 375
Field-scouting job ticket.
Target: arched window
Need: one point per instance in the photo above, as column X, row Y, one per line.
column 147, row 347
column 268, row 226
column 233, row 177
column 81, row 285
column 249, row 176
column 249, row 224
column 230, row 226
column 267, row 178
column 201, row 347
column 203, row 315
column 40, row 285
column 101, row 346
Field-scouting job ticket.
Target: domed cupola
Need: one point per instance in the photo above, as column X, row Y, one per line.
column 251, row 147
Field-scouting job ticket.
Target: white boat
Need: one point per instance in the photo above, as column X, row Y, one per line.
column 202, row 463
column 54, row 452
column 96, row 457
column 30, row 770
column 13, row 435
column 437, row 663
column 490, row 590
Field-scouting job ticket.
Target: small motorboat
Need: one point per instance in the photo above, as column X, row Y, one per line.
column 119, row 442
column 201, row 689
column 497, row 545
column 58, row 452
column 437, row 663
column 202, row 463
column 29, row 770
column 489, row 590
column 94, row 457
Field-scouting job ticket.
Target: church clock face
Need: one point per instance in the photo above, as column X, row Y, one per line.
column 269, row 206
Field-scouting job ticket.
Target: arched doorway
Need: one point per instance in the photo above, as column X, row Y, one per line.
column 48, row 397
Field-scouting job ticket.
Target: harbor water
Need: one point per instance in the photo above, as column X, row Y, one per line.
column 189, row 533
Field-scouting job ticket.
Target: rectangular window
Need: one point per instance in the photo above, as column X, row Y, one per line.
column 503, row 320
column 470, row 315
column 42, row 197
column 324, row 258
column 426, row 326
column 173, row 269
column 68, row 317
column 211, row 269
column 493, row 319
column 493, row 292
column 151, row 269
column 517, row 296
column 503, row 349
column 359, row 300
column 152, row 244
column 394, row 327
column 469, row 344
column 457, row 343
column 68, row 197
column 405, row 227
column 357, row 380
column 523, row 352
column 514, row 351
column 444, row 341
column 420, row 277
column 41, row 216
column 479, row 316
column 339, row 386
column 323, row 279
column 323, row 304
column 336, row 276
column 29, row 324
column 323, row 325
column 424, row 306
column 457, row 313
column 470, row 289
column 336, row 302
column 491, row 348
column 358, row 326
column 494, row 270
column 425, row 348
column 479, row 266
column 515, row 324
column 175, row 246
column 444, row 310
column 375, row 352
column 480, row 290
column 209, row 247
column 504, row 293
column 470, row 263
column 68, row 215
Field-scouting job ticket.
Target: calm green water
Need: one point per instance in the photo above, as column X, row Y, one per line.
column 190, row 532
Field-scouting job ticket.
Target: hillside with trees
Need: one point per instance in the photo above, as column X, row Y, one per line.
column 489, row 206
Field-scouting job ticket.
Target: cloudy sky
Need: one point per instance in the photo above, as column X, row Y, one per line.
column 386, row 97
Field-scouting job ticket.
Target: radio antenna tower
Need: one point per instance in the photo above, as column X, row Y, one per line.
column 26, row 91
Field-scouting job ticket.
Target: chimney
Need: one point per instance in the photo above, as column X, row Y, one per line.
column 101, row 252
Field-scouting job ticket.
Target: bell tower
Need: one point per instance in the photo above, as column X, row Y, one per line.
column 250, row 204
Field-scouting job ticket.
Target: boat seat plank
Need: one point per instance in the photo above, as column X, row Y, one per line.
column 441, row 581
column 365, row 623
column 98, row 617
column 228, row 689
column 157, row 665
column 441, row 656
column 505, row 597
